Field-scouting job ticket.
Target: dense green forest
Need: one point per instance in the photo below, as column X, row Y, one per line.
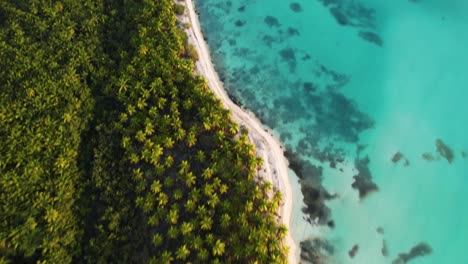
column 112, row 151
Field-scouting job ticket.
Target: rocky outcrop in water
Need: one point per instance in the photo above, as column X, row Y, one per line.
column 353, row 251
column 445, row 151
column 398, row 157
column 295, row 7
column 314, row 251
column 384, row 249
column 314, row 194
column 428, row 156
column 363, row 180
column 271, row 21
column 371, row 37
column 380, row 230
column 420, row 250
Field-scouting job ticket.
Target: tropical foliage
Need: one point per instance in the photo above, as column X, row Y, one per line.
column 112, row 151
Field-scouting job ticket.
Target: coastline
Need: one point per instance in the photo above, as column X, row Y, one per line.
column 266, row 145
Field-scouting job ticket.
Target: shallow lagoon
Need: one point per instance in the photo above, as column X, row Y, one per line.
column 347, row 85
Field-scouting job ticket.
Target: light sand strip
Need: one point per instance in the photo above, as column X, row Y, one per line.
column 267, row 147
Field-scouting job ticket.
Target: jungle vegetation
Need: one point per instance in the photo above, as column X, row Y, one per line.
column 113, row 151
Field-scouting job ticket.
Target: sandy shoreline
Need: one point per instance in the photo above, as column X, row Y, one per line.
column 267, row 147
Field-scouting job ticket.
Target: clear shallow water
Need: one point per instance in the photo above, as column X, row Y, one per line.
column 331, row 77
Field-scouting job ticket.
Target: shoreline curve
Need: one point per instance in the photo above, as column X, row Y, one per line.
column 267, row 146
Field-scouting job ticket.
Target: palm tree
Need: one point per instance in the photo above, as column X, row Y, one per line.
column 177, row 194
column 197, row 242
column 190, row 205
column 206, row 223
column 182, row 253
column 203, row 255
column 191, row 139
column 156, row 187
column 190, row 179
column 157, row 240
column 200, row 157
column 225, row 219
column 186, row 228
column 166, row 257
column 172, row 232
column 173, row 215
column 218, row 248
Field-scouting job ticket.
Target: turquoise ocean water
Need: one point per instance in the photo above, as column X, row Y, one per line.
column 349, row 85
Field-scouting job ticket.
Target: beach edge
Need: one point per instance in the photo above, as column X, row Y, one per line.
column 267, row 146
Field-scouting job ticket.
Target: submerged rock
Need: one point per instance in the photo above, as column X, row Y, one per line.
column 340, row 17
column 293, row 31
column 295, row 7
column 463, row 154
column 353, row 251
column 271, row 21
column 428, row 156
column 289, row 56
column 371, row 37
column 363, row 180
column 397, row 157
column 384, row 249
column 240, row 23
column 380, row 230
column 309, row 87
column 420, row 250
column 311, row 251
column 406, row 163
column 444, row 150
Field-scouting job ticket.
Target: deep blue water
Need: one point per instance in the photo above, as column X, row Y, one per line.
column 373, row 89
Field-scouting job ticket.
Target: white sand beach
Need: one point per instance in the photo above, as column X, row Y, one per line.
column 267, row 146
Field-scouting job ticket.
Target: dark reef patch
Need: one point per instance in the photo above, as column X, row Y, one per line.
column 363, row 180
column 240, row 23
column 428, row 156
column 293, row 31
column 232, row 42
column 420, row 250
column 269, row 40
column 242, row 52
column 355, row 14
column 314, row 198
column 313, row 251
column 340, row 17
column 338, row 78
column 241, row 9
column 295, row 7
column 309, row 87
column 384, row 249
column 314, row 194
column 271, row 21
column 444, row 150
column 380, row 230
column 353, row 251
column 289, row 56
column 351, row 13
column 463, row 154
column 397, row 157
column 371, row 37
column 338, row 116
column 303, row 168
column 254, row 70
